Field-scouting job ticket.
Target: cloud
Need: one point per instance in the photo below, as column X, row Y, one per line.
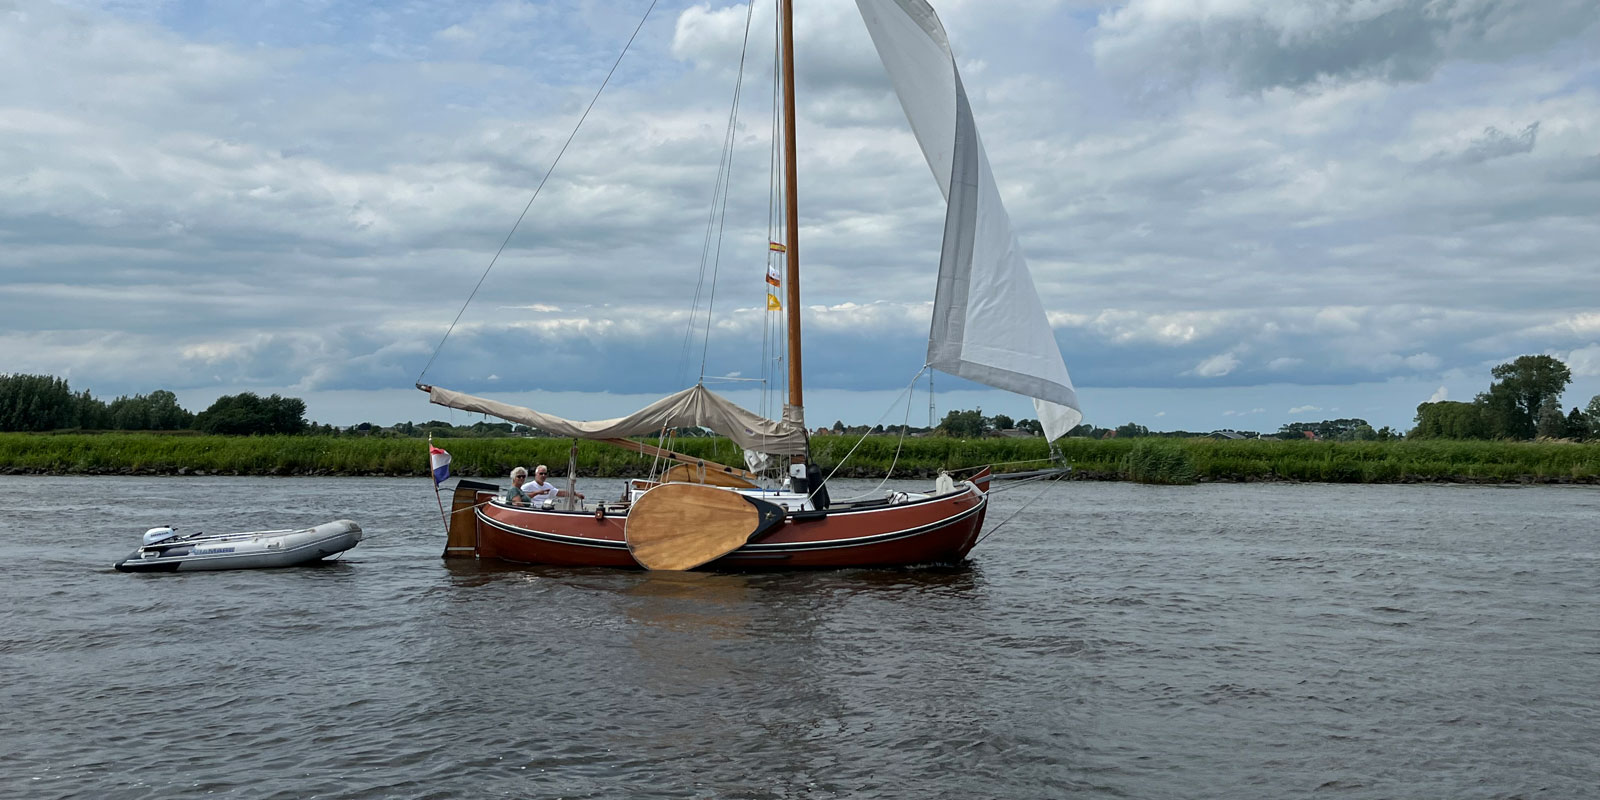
column 1304, row 409
column 1491, row 144
column 1262, row 44
column 1583, row 361
column 1439, row 396
column 1216, row 366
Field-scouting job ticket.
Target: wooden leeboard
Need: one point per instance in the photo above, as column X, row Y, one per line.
column 684, row 525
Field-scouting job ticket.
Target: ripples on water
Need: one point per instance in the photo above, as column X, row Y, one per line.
column 1110, row 641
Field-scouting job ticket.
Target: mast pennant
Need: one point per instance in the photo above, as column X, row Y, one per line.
column 988, row 323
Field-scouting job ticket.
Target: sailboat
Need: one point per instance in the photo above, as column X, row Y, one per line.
column 988, row 326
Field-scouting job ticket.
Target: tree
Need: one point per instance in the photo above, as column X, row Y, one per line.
column 1577, row 425
column 1003, row 422
column 1449, row 419
column 158, row 411
column 1327, row 429
column 1551, row 423
column 1519, row 391
column 1132, row 429
column 250, row 415
column 967, row 424
column 1591, row 418
column 36, row 403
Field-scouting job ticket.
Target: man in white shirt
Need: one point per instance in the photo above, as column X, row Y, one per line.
column 540, row 491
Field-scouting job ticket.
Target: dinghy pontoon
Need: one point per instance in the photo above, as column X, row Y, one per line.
column 165, row 551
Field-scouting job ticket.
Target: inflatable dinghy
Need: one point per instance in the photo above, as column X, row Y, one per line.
column 165, row 551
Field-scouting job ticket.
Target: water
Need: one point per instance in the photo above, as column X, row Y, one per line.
column 1239, row 641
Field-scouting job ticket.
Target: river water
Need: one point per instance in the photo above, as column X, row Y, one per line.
column 1108, row 640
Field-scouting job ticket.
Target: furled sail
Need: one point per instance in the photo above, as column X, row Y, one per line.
column 696, row 406
column 988, row 323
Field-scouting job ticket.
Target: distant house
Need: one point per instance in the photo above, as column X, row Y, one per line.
column 1310, row 434
column 1013, row 433
column 1225, row 435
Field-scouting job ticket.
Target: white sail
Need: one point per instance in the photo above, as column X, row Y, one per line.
column 988, row 323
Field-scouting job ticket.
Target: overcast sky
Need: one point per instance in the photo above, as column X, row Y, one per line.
column 1238, row 213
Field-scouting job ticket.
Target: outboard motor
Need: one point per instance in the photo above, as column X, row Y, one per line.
column 158, row 535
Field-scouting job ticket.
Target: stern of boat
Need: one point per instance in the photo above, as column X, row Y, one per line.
column 462, row 541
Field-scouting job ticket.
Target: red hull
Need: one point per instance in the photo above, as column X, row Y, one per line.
column 933, row 531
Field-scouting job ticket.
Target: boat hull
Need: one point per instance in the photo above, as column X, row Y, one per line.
column 936, row 530
column 249, row 550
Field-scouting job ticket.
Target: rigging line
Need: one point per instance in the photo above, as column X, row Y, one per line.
column 719, row 193
column 899, row 445
column 1018, row 483
column 770, row 322
column 1024, row 507
column 780, row 323
column 904, row 392
column 536, row 190
column 731, row 139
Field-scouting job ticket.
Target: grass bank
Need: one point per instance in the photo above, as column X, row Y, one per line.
column 1334, row 462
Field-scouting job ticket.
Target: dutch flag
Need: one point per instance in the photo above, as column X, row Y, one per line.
column 440, row 461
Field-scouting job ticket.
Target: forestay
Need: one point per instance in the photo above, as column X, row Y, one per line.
column 988, row 323
column 696, row 406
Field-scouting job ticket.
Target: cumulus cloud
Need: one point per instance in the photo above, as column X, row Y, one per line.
column 1440, row 395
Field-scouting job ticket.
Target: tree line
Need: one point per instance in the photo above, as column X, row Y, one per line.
column 32, row 403
column 36, row 403
column 1522, row 402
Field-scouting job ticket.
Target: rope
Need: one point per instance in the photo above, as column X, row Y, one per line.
column 729, row 139
column 1019, row 510
column 864, row 436
column 536, row 191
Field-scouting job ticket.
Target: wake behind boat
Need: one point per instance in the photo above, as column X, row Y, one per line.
column 165, row 551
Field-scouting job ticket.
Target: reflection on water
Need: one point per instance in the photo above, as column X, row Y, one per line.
column 1112, row 641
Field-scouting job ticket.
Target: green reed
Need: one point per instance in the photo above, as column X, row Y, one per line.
column 1213, row 460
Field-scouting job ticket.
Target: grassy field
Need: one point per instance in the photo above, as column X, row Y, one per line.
column 1269, row 460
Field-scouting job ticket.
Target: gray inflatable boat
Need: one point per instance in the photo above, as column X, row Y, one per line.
column 165, row 551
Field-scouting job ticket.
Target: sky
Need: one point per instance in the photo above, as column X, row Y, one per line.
column 1238, row 213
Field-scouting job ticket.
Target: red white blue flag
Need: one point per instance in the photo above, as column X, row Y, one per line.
column 439, row 460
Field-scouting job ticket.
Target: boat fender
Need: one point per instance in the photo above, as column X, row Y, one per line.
column 944, row 484
column 158, row 535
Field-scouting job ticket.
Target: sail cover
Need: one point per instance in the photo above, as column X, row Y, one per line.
column 695, row 406
column 988, row 323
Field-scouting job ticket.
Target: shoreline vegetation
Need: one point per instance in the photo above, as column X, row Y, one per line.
column 1402, row 461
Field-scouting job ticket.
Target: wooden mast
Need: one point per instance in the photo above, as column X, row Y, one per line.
column 791, row 208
